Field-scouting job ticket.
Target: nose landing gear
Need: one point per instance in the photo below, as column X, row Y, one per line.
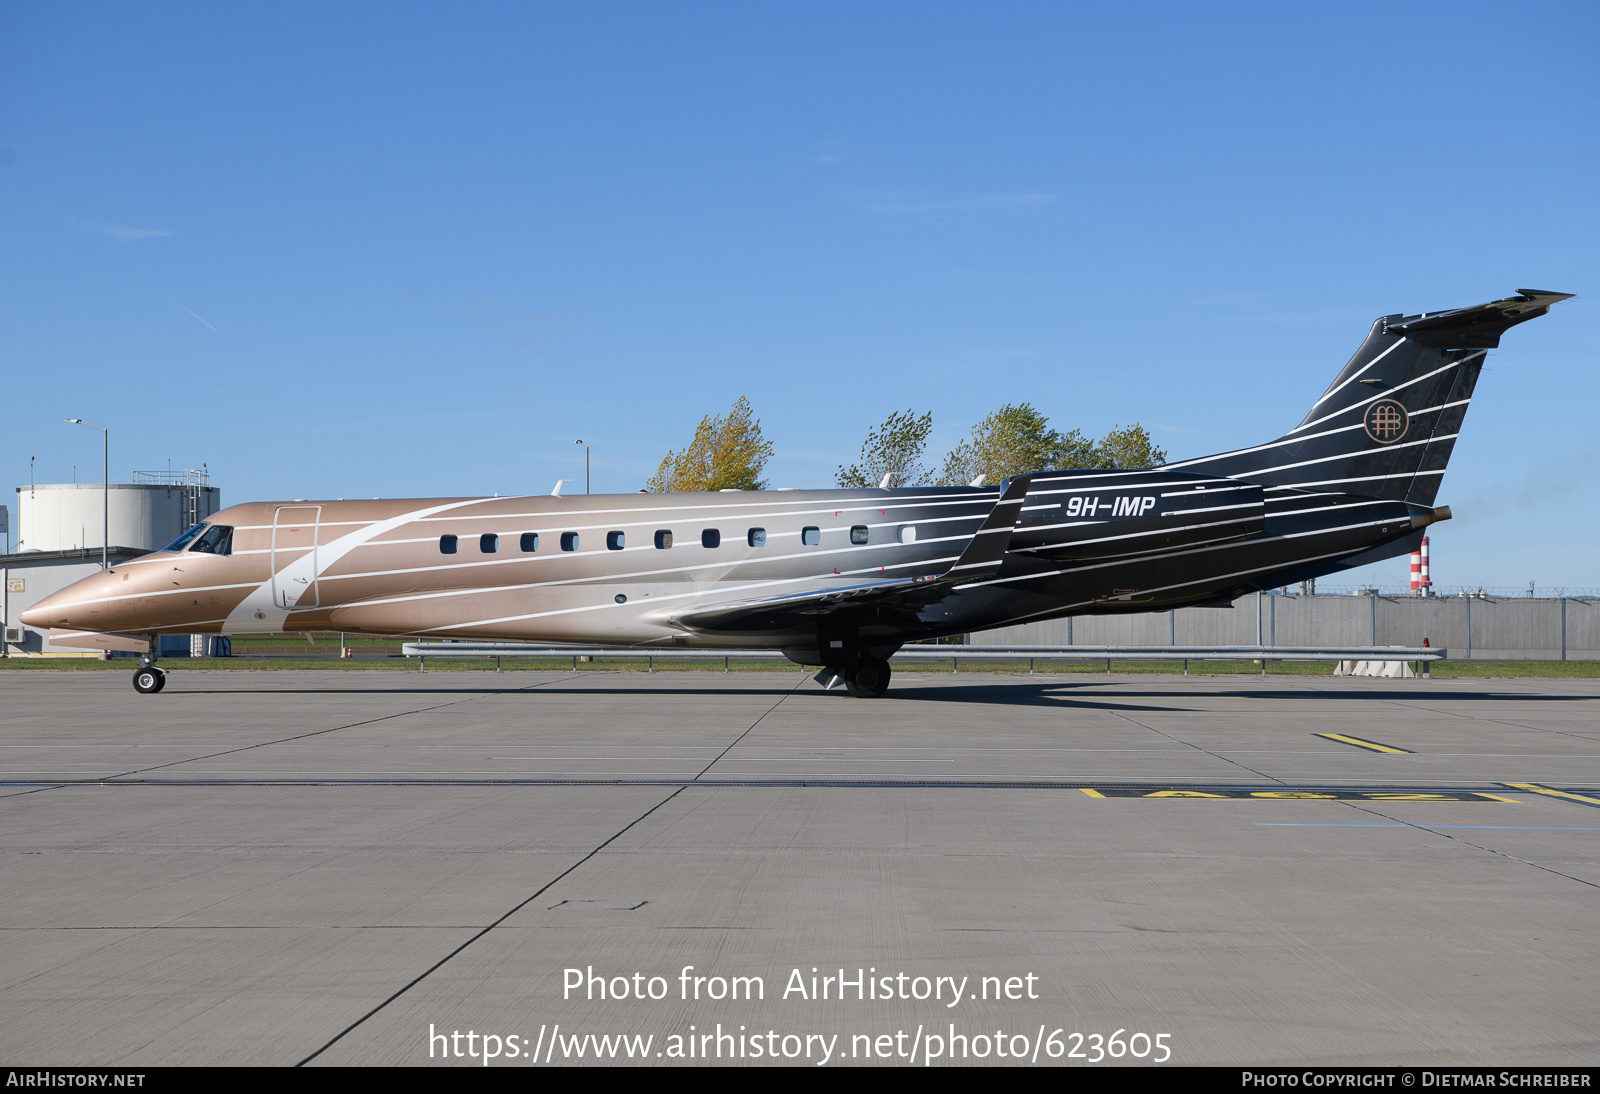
column 147, row 679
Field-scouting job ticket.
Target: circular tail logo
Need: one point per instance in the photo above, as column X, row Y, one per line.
column 1386, row 421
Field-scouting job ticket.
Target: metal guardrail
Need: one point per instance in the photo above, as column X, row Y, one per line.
column 498, row 651
column 1447, row 592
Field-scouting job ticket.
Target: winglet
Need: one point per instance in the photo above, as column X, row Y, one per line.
column 987, row 548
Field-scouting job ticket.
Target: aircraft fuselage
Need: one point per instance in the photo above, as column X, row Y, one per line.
column 840, row 578
column 631, row 569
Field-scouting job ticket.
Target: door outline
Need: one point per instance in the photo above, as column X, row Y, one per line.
column 281, row 594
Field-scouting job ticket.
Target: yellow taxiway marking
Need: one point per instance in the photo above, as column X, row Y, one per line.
column 1236, row 794
column 1537, row 789
column 1371, row 746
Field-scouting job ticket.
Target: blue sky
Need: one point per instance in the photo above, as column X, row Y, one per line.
column 415, row 250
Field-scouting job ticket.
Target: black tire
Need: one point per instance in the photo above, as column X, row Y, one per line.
column 869, row 679
column 147, row 680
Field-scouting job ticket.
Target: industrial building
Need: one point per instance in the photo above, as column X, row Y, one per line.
column 63, row 530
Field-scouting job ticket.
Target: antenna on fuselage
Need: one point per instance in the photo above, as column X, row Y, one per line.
column 556, row 493
column 887, row 476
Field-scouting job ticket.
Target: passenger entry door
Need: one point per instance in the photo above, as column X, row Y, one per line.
column 294, row 556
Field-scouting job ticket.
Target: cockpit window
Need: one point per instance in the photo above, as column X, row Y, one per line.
column 217, row 540
column 187, row 538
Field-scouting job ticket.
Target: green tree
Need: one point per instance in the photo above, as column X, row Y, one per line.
column 726, row 453
column 894, row 449
column 960, row 465
column 1129, row 449
column 1014, row 439
column 1017, row 439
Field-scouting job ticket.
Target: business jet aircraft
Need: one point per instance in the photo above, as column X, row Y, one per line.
column 838, row 578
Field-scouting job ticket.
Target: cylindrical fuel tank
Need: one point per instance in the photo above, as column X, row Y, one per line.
column 68, row 516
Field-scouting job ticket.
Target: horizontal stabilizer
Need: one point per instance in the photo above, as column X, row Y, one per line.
column 1479, row 327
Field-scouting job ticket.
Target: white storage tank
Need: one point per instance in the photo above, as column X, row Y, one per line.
column 146, row 514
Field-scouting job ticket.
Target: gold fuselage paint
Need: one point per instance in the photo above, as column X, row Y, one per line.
column 596, row 573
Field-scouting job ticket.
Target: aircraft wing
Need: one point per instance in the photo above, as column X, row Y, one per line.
column 785, row 613
column 981, row 558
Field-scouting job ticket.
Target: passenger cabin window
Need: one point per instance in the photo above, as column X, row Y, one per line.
column 569, row 541
column 488, row 543
column 811, row 536
column 711, row 538
column 858, row 534
column 530, row 542
column 216, row 540
column 664, row 540
column 447, row 545
column 757, row 537
column 908, row 533
column 184, row 540
column 615, row 541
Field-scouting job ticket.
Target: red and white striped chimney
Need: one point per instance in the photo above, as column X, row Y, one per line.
column 1416, row 570
column 1427, row 582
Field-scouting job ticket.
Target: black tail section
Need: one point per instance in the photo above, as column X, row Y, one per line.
column 1386, row 426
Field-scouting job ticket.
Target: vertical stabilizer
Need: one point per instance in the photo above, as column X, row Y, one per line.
column 1387, row 424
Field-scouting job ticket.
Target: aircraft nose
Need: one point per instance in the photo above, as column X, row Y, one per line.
column 66, row 607
column 51, row 611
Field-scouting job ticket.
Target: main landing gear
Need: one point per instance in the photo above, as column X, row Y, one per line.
column 868, row 678
column 147, row 679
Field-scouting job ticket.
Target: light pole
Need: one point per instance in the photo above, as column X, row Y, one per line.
column 585, row 466
column 105, row 490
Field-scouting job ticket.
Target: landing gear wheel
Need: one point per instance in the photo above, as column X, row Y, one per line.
column 147, row 680
column 869, row 679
